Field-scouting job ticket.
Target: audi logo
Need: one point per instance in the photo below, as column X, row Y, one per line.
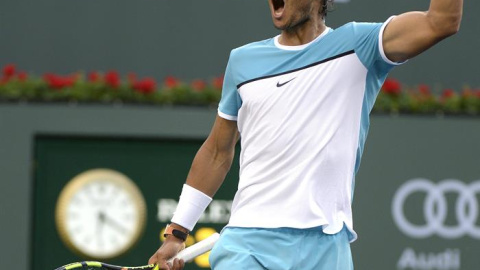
column 435, row 208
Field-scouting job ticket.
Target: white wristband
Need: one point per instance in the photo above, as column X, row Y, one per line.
column 190, row 207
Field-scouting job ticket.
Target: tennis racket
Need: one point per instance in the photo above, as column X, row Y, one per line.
column 187, row 255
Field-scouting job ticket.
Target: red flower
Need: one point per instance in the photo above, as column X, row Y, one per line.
column 477, row 93
column 52, row 80
column 112, row 79
column 145, row 86
column 392, row 86
column 448, row 93
column 9, row 71
column 22, row 76
column 424, row 89
column 218, row 82
column 198, row 85
column 59, row 82
column 171, row 82
column 69, row 80
column 93, row 76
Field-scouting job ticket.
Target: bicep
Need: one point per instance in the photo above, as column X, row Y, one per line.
column 409, row 34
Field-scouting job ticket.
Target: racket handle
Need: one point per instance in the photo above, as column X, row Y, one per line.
column 197, row 249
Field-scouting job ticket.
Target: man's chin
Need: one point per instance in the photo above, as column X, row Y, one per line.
column 279, row 27
column 278, row 24
column 291, row 26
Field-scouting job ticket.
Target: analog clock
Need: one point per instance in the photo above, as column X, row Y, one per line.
column 100, row 214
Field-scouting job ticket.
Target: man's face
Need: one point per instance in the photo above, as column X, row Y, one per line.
column 289, row 15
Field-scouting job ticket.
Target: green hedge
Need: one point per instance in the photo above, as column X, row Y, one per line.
column 109, row 87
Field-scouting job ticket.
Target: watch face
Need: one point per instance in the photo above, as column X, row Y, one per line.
column 100, row 214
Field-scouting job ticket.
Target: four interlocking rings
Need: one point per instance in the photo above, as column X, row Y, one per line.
column 435, row 208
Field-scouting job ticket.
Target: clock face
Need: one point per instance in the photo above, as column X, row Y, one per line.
column 100, row 214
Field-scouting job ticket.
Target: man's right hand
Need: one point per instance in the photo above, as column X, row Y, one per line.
column 168, row 250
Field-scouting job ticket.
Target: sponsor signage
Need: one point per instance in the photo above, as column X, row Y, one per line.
column 449, row 211
column 218, row 212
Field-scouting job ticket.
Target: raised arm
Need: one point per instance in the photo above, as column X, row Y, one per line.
column 209, row 168
column 411, row 33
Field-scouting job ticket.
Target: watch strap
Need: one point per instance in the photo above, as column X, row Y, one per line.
column 180, row 234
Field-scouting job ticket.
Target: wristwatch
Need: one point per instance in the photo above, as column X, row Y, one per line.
column 177, row 232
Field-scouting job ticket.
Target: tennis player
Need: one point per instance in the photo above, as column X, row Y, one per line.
column 300, row 103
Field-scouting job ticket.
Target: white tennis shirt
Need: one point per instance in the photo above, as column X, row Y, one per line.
column 302, row 113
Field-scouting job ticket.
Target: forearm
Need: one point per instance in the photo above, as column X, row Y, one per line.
column 445, row 15
column 207, row 173
column 411, row 33
column 209, row 168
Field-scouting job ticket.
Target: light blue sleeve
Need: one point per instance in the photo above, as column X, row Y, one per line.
column 231, row 101
column 369, row 48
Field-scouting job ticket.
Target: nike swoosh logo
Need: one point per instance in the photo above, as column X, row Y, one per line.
column 282, row 84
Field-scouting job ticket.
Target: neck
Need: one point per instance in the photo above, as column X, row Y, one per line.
column 302, row 34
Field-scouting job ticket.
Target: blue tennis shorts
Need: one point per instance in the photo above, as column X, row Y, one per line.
column 282, row 248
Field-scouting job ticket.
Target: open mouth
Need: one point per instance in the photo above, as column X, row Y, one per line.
column 278, row 6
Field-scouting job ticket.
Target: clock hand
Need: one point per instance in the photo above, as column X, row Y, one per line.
column 101, row 217
column 115, row 224
column 100, row 225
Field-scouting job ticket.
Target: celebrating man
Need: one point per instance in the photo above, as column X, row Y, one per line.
column 300, row 103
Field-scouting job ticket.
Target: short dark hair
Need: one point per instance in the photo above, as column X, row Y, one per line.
column 326, row 5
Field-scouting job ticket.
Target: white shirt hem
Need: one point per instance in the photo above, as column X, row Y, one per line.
column 227, row 116
column 380, row 44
